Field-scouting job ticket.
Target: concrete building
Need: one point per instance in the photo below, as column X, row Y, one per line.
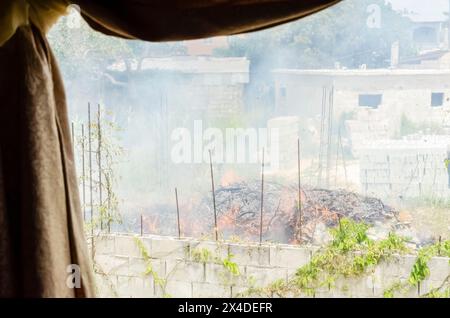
column 412, row 167
column 430, row 22
column 151, row 101
column 438, row 59
column 199, row 85
column 369, row 104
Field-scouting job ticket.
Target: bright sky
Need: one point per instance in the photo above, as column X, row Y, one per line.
column 424, row 10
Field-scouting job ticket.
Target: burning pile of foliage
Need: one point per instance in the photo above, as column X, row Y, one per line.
column 238, row 211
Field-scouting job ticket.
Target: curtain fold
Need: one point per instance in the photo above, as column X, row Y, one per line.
column 172, row 20
column 41, row 229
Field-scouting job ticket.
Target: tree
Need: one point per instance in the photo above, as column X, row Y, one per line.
column 351, row 33
column 82, row 51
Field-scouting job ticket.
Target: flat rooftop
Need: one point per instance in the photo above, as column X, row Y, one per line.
column 362, row 72
column 191, row 65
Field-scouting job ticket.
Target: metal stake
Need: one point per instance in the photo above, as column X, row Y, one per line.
column 178, row 213
column 300, row 212
column 90, row 169
column 214, row 197
column 99, row 154
column 262, row 198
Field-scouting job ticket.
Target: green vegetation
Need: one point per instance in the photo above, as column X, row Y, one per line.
column 149, row 270
column 106, row 212
column 420, row 271
column 339, row 34
column 352, row 254
column 204, row 255
column 75, row 44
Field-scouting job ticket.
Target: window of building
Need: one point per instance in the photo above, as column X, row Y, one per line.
column 437, row 99
column 370, row 100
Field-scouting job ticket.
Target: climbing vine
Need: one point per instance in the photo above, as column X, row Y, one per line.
column 204, row 255
column 149, row 270
column 351, row 254
column 420, row 271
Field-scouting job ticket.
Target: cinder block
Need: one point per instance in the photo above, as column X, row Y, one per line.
column 382, row 281
column 217, row 250
column 411, row 292
column 174, row 289
column 407, row 290
column 258, row 255
column 219, row 274
column 166, row 248
column 397, row 266
column 289, row 257
column 108, row 264
column 137, row 267
column 330, row 294
column 126, row 246
column 104, row 245
column 187, row 271
column 264, row 276
column 206, row 290
column 357, row 287
column 123, row 287
column 439, row 268
column 149, row 287
column 428, row 285
column 130, row 287
column 106, row 285
column 241, row 292
column 157, row 267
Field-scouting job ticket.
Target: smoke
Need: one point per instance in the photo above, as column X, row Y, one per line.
column 154, row 94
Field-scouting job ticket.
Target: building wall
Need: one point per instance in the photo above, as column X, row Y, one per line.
column 405, row 93
column 302, row 94
column 175, row 269
column 442, row 62
column 406, row 168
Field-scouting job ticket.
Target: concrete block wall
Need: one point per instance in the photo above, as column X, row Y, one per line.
column 407, row 168
column 182, row 268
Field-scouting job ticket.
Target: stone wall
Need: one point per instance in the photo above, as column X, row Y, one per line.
column 168, row 267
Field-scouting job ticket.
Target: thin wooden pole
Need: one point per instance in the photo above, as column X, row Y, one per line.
column 262, row 198
column 300, row 212
column 178, row 213
column 99, row 154
column 142, row 225
column 439, row 246
column 90, row 169
column 83, row 171
column 216, row 232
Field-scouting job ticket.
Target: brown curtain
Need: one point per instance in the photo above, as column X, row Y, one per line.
column 41, row 230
